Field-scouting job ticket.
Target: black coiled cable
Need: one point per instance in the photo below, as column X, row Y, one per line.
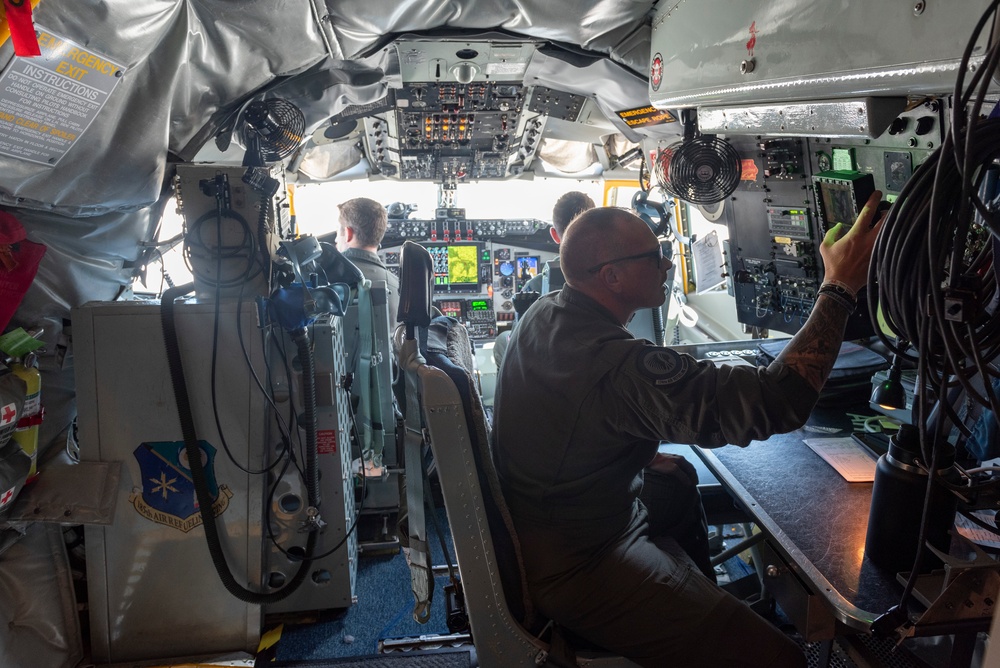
column 198, row 470
column 932, row 278
column 932, row 270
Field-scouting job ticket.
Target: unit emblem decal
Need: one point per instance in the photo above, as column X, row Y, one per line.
column 167, row 495
column 656, row 72
column 663, row 366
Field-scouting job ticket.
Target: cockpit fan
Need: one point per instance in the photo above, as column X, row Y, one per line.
column 703, row 170
column 270, row 130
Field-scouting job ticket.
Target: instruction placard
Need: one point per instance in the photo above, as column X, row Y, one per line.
column 708, row 262
column 47, row 102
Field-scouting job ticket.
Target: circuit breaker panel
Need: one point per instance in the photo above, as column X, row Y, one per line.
column 792, row 190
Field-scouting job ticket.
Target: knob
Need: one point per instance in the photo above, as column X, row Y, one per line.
column 898, row 125
column 925, row 124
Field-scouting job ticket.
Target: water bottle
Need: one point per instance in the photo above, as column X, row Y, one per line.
column 898, row 502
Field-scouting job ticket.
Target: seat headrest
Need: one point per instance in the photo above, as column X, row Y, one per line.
column 416, row 280
column 522, row 300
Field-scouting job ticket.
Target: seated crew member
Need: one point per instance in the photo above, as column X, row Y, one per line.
column 580, row 409
column 567, row 207
column 360, row 230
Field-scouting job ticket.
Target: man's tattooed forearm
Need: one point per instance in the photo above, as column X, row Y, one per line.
column 813, row 351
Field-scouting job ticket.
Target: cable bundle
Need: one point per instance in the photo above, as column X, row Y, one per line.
column 933, row 271
column 934, row 278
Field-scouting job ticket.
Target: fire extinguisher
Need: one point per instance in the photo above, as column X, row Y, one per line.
column 26, row 433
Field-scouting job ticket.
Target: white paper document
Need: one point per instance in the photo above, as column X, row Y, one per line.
column 708, row 262
column 976, row 533
column 846, row 456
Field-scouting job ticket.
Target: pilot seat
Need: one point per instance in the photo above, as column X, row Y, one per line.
column 441, row 389
column 368, row 330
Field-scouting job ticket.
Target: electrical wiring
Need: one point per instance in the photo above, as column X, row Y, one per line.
column 268, row 394
column 931, row 279
column 194, row 242
column 983, row 469
column 364, row 488
column 295, row 432
column 931, row 270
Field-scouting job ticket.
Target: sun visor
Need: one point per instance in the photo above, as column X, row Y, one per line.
column 325, row 161
column 569, row 157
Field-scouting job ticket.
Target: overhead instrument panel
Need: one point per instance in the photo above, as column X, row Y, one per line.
column 460, row 114
column 556, row 103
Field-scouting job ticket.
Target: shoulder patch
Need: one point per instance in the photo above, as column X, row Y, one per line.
column 663, row 366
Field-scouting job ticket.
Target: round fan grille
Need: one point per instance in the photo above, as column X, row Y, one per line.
column 704, row 170
column 275, row 126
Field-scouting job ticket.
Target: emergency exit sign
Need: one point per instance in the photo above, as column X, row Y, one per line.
column 47, row 102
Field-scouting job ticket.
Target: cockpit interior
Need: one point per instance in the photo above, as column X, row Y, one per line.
column 223, row 443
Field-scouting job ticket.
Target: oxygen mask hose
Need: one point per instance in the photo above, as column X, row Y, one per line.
column 193, row 451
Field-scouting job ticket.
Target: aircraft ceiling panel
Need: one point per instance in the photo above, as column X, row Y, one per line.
column 751, row 52
column 465, row 62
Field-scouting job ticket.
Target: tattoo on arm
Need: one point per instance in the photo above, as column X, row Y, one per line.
column 812, row 352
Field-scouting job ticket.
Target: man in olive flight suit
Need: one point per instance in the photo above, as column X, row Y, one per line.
column 580, row 409
column 360, row 229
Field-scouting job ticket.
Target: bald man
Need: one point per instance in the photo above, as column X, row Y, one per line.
column 581, row 407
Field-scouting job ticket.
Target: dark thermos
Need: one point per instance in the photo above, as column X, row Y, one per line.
column 898, row 503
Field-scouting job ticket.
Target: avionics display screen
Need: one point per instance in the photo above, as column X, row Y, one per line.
column 838, row 203
column 526, row 268
column 842, row 194
column 450, row 308
column 456, row 265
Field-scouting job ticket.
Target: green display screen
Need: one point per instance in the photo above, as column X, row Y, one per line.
column 463, row 265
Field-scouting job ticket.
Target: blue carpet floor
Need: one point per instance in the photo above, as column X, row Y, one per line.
column 384, row 610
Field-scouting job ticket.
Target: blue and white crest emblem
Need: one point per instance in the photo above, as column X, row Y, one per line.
column 167, row 495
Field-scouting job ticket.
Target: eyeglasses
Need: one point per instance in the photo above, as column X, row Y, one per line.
column 652, row 255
